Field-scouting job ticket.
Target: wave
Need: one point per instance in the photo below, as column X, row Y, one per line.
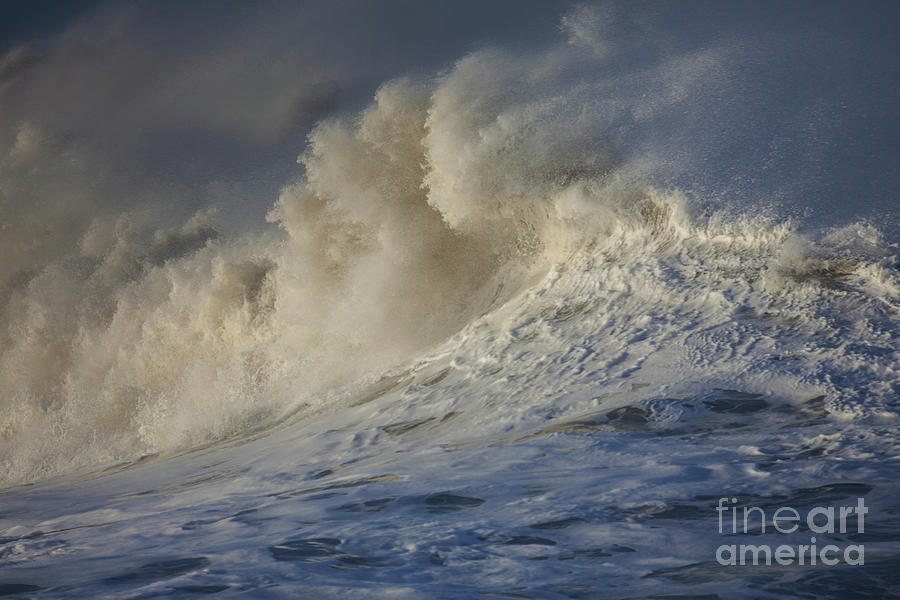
column 455, row 216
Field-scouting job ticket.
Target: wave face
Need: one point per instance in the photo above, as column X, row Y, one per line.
column 498, row 187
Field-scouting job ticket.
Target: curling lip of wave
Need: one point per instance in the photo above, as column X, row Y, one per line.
column 147, row 344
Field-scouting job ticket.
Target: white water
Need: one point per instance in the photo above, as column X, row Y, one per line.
column 472, row 289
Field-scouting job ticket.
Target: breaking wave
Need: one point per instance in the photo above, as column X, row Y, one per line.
column 457, row 214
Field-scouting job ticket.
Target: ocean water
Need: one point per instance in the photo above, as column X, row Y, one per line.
column 518, row 325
